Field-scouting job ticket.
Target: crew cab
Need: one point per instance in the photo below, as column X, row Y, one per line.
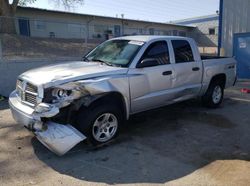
column 120, row 77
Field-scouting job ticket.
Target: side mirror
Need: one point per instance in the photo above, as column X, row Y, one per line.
column 149, row 62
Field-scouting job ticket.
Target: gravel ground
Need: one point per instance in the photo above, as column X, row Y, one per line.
column 181, row 144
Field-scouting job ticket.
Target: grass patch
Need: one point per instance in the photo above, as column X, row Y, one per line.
column 2, row 98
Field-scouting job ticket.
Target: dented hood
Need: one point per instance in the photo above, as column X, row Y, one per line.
column 65, row 72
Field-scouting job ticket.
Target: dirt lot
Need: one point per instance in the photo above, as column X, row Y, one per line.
column 182, row 144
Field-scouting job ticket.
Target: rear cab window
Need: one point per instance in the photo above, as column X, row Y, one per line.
column 182, row 51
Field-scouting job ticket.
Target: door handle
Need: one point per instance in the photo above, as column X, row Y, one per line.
column 167, row 73
column 196, row 69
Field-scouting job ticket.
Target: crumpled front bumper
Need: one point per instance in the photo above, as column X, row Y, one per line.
column 57, row 137
column 21, row 112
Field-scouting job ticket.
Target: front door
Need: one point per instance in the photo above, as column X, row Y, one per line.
column 24, row 27
column 242, row 54
column 150, row 86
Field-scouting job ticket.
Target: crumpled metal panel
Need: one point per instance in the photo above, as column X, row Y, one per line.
column 59, row 138
column 88, row 90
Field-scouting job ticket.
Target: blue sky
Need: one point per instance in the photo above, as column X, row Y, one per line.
column 158, row 10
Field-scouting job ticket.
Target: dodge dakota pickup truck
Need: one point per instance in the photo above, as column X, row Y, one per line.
column 66, row 103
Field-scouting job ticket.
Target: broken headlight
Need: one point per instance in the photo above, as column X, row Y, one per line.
column 66, row 92
column 52, row 95
column 60, row 93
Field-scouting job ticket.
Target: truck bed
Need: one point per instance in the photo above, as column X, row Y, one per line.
column 219, row 65
column 203, row 57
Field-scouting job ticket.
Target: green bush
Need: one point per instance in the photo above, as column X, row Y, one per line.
column 1, row 98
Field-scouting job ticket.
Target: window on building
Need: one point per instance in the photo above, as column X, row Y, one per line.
column 158, row 51
column 99, row 29
column 182, row 33
column 183, row 51
column 157, row 32
column 40, row 25
column 151, row 31
column 211, row 31
column 175, row 32
column 167, row 33
column 77, row 30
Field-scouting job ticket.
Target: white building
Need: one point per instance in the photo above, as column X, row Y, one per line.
column 36, row 22
column 207, row 30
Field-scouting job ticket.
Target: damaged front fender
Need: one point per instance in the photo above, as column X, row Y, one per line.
column 84, row 92
column 61, row 138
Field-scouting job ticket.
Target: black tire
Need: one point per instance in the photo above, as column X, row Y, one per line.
column 87, row 116
column 208, row 100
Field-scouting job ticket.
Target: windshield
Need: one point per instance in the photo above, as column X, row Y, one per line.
column 115, row 52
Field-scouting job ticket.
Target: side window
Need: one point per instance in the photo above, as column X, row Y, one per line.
column 158, row 51
column 182, row 51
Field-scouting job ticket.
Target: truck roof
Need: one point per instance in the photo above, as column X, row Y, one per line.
column 146, row 38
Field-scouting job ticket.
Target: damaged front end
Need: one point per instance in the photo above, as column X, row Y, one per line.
column 49, row 110
column 59, row 138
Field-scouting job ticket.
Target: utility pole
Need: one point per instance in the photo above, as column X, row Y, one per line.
column 87, row 31
column 220, row 27
column 122, row 16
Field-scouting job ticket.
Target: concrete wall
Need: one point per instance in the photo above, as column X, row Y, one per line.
column 236, row 19
column 10, row 70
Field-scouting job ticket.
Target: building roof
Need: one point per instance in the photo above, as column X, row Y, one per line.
column 199, row 19
column 107, row 17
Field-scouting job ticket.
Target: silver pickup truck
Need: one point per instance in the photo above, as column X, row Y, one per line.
column 122, row 76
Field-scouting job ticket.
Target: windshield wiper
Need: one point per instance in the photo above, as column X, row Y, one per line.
column 103, row 62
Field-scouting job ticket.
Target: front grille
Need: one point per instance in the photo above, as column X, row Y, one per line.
column 30, row 98
column 27, row 92
column 31, row 88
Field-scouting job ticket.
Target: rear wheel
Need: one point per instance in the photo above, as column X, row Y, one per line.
column 214, row 95
column 100, row 124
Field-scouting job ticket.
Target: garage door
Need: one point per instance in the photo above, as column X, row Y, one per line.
column 242, row 54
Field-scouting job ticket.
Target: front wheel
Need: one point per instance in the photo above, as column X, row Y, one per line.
column 214, row 95
column 100, row 124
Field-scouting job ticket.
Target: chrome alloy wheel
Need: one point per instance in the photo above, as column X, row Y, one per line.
column 217, row 94
column 105, row 127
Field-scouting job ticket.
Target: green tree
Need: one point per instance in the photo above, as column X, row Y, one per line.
column 8, row 11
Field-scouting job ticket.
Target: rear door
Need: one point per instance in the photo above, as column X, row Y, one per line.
column 188, row 70
column 150, row 87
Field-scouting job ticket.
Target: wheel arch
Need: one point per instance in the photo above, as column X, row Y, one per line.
column 106, row 98
column 219, row 77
